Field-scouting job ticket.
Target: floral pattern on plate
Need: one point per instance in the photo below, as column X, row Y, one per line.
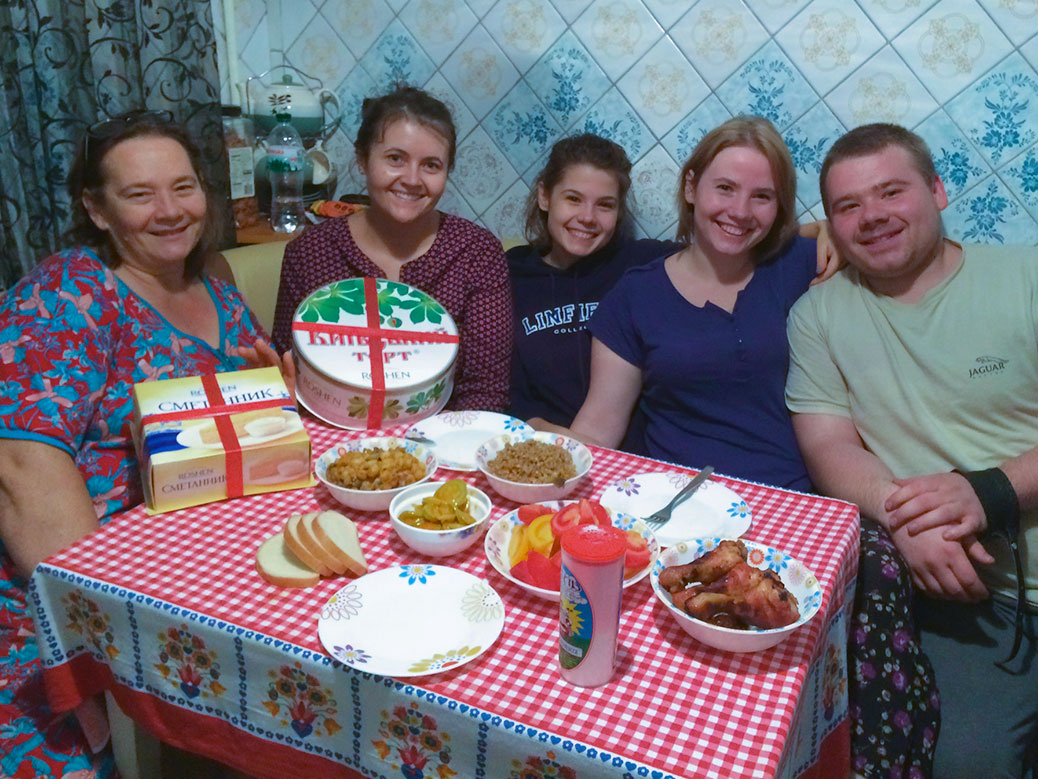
column 457, row 434
column 712, row 510
column 444, row 618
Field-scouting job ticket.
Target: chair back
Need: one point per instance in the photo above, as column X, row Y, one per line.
column 257, row 273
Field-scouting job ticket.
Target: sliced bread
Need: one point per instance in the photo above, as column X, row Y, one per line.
column 328, row 553
column 338, row 533
column 276, row 563
column 305, row 552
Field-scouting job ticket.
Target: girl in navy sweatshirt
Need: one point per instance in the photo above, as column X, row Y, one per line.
column 579, row 247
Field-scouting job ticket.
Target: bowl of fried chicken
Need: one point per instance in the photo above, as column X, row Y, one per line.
column 736, row 595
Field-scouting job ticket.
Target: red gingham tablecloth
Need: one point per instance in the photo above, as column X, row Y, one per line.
column 675, row 705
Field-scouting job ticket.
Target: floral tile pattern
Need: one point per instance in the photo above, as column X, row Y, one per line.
column 524, row 29
column 1018, row 19
column 480, row 72
column 359, row 22
column 1022, row 177
column 893, row 18
column 654, row 184
column 438, row 25
column 882, row 90
column 318, row 52
column 481, row 172
column 396, row 57
column 774, row 15
column 951, row 45
column 351, row 93
column 718, row 36
column 958, row 162
column 808, row 141
column 680, row 141
column 662, row 86
column 567, row 79
column 507, row 217
column 989, row 213
column 522, row 126
column 464, row 121
column 618, row 33
column 1000, row 112
column 613, row 117
column 828, row 40
column 769, row 85
column 655, row 75
column 667, row 12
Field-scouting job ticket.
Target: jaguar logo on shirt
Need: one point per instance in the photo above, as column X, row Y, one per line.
column 985, row 365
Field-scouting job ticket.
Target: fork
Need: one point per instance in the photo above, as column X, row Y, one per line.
column 658, row 519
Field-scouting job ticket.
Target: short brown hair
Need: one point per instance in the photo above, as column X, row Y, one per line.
column 404, row 102
column 583, row 149
column 870, row 139
column 86, row 177
column 753, row 132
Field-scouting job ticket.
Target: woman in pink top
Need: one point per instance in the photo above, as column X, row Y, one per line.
column 405, row 147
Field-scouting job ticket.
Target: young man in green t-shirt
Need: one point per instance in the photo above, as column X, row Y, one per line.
column 914, row 386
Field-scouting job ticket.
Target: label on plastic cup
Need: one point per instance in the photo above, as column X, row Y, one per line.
column 589, row 603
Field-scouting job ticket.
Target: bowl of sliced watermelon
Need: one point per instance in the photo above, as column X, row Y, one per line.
column 523, row 545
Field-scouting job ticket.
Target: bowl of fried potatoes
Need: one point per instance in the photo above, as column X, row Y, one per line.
column 368, row 473
column 736, row 595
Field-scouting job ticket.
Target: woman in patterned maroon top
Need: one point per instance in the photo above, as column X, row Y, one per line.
column 405, row 147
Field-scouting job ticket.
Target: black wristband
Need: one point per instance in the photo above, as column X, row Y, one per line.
column 998, row 499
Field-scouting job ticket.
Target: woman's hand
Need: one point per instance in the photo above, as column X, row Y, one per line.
column 829, row 260
column 261, row 355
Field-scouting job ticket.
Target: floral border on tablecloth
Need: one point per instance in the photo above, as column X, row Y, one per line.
column 472, row 731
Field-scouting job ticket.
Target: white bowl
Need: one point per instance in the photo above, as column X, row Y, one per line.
column 533, row 493
column 439, row 543
column 372, row 500
column 500, row 534
column 798, row 580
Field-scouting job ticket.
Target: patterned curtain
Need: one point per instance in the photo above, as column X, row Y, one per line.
column 65, row 64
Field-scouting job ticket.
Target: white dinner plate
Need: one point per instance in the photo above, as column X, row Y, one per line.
column 457, row 434
column 411, row 620
column 192, row 436
column 712, row 511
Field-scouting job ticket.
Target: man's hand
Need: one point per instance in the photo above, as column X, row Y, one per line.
column 940, row 499
column 942, row 568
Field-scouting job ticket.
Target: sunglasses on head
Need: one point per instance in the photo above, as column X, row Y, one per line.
column 106, row 128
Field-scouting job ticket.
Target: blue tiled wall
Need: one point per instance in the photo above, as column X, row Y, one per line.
column 654, row 75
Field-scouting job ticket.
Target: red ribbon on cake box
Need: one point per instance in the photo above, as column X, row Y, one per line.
column 220, row 412
column 374, row 333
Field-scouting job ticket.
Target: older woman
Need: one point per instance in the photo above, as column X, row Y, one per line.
column 130, row 301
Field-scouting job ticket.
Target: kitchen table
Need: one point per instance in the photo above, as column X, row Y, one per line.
column 167, row 613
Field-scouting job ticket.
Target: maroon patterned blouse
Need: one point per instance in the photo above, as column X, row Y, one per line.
column 464, row 270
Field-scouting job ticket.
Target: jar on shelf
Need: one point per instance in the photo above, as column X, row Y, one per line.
column 239, row 140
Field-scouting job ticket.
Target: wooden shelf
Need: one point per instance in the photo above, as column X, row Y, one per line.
column 262, row 233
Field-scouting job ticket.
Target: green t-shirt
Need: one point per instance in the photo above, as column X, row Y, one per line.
column 948, row 382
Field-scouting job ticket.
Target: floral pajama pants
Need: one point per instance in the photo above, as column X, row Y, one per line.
column 894, row 703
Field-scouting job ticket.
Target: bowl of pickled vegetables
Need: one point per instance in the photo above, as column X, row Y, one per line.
column 440, row 518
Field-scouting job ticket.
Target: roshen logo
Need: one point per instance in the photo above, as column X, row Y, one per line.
column 987, row 365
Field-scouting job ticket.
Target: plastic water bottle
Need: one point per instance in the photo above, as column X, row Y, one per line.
column 285, row 170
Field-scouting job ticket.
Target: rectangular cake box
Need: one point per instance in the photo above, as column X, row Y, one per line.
column 183, row 456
